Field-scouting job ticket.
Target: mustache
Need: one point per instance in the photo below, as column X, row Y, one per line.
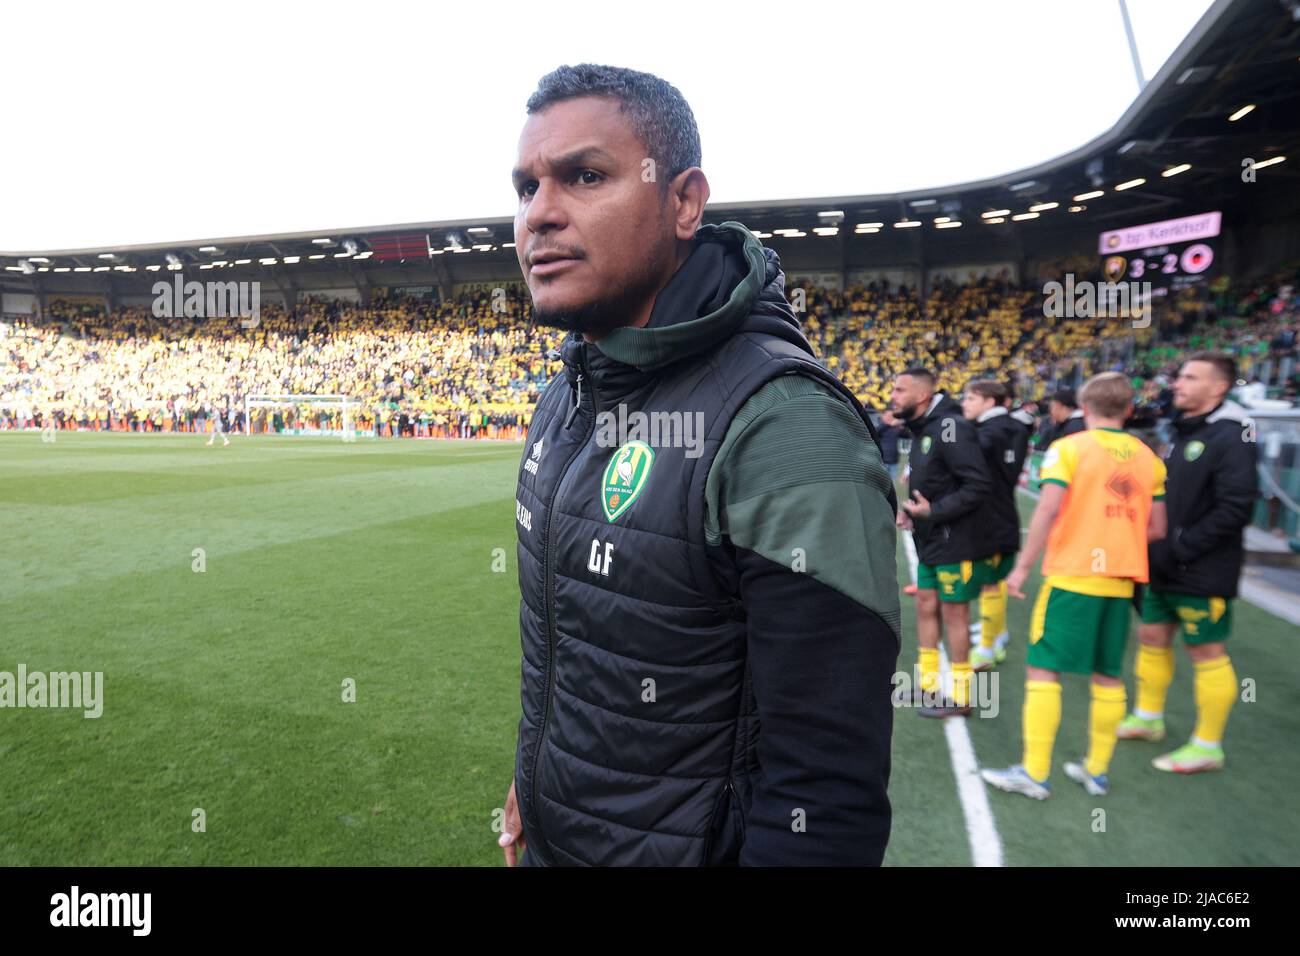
column 534, row 252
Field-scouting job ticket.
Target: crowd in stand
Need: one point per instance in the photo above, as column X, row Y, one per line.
column 473, row 366
column 466, row 368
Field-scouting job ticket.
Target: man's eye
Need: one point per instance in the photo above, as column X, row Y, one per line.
column 587, row 177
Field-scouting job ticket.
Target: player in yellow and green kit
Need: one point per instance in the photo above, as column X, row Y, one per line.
column 1213, row 486
column 1101, row 504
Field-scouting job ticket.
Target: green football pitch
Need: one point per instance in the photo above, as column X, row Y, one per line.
column 228, row 594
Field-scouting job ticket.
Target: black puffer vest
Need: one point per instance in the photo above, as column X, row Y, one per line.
column 639, row 731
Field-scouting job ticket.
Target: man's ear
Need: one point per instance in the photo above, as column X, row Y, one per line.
column 689, row 194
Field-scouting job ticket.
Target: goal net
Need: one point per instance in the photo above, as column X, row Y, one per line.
column 331, row 415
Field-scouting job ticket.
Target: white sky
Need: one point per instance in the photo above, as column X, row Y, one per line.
column 158, row 121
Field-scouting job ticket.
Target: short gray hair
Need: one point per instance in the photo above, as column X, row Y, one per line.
column 660, row 116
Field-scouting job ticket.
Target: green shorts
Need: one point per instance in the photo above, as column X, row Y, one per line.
column 1204, row 619
column 1078, row 633
column 956, row 583
column 996, row 567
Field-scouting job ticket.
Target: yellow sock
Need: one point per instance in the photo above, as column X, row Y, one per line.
column 993, row 615
column 961, row 674
column 1042, row 716
column 1155, row 672
column 929, row 664
column 1002, row 608
column 1216, row 691
column 1108, row 704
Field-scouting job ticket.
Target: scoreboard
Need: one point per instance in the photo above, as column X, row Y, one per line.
column 1171, row 255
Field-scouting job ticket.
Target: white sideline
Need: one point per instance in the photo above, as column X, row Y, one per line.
column 1273, row 600
column 981, row 831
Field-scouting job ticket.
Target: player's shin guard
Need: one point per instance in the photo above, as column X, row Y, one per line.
column 1108, row 704
column 1216, row 691
column 1155, row 672
column 928, row 662
column 993, row 614
column 1042, row 717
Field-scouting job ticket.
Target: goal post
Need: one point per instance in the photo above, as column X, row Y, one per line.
column 345, row 405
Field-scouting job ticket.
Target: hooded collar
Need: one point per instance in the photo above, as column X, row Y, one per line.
column 1226, row 409
column 993, row 412
column 941, row 403
column 730, row 280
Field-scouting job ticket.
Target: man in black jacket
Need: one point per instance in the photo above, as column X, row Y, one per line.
column 948, row 490
column 1004, row 441
column 1212, row 487
column 1065, row 417
column 708, row 615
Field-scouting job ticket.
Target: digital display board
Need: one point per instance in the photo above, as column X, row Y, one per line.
column 1171, row 254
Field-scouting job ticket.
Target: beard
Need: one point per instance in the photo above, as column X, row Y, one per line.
column 911, row 413
column 604, row 314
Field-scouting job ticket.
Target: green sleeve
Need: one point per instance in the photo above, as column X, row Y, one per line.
column 799, row 480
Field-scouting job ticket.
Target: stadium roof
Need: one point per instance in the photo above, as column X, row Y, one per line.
column 1230, row 93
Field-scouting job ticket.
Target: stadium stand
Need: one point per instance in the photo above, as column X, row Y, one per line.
column 460, row 369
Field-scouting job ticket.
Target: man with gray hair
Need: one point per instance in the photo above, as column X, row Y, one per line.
column 708, row 639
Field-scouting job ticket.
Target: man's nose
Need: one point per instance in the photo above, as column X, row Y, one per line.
column 546, row 208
